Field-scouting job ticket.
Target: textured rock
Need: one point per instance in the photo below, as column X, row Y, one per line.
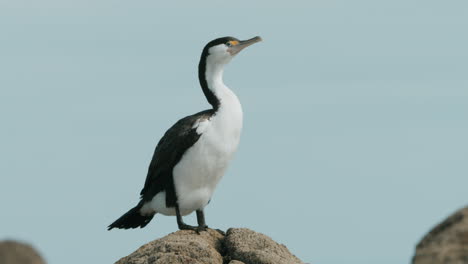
column 235, row 262
column 252, row 247
column 239, row 246
column 446, row 243
column 180, row 247
column 12, row 252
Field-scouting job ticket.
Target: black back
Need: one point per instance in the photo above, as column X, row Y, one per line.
column 167, row 154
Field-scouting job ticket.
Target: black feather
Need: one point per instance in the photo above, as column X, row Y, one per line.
column 170, row 149
column 132, row 219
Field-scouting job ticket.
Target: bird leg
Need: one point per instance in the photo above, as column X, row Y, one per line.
column 184, row 226
column 202, row 225
column 201, row 220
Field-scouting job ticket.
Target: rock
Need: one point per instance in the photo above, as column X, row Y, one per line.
column 239, row 246
column 252, row 247
column 180, row 247
column 12, row 252
column 235, row 262
column 446, row 243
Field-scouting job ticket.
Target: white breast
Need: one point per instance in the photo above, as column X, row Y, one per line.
column 204, row 164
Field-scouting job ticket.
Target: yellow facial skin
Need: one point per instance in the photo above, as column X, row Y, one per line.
column 235, row 46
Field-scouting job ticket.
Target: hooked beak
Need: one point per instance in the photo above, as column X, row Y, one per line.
column 243, row 44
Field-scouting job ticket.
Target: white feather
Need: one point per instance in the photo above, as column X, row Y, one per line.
column 201, row 125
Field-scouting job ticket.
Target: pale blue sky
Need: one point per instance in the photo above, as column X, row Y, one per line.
column 356, row 121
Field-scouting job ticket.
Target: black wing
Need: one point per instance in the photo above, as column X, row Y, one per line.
column 167, row 154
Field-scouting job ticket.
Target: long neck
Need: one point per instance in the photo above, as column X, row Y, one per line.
column 226, row 105
column 210, row 76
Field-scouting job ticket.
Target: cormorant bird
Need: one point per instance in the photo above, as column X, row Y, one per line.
column 194, row 153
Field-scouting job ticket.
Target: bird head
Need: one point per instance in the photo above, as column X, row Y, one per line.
column 215, row 55
column 222, row 50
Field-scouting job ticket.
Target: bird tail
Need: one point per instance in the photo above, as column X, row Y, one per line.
column 132, row 219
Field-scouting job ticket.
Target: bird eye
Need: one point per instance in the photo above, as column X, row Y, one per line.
column 229, row 44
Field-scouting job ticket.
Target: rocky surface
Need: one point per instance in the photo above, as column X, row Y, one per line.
column 446, row 243
column 12, row 252
column 238, row 246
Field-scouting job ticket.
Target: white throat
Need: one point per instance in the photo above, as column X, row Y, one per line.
column 214, row 78
column 228, row 117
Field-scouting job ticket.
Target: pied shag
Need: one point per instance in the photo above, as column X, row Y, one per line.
column 193, row 154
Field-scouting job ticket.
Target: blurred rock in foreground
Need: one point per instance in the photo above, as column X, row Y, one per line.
column 12, row 252
column 239, row 246
column 446, row 243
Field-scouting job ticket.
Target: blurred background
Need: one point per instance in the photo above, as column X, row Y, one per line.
column 355, row 136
